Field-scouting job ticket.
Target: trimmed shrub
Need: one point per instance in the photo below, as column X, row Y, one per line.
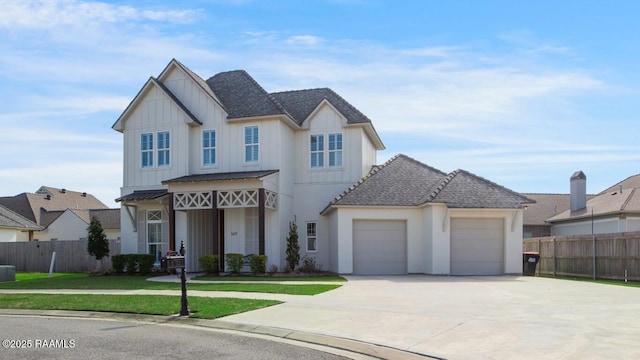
column 118, row 263
column 258, row 264
column 131, row 262
column 309, row 265
column 235, row 262
column 210, row 264
column 145, row 263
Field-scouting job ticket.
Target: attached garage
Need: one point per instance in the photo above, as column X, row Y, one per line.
column 379, row 247
column 477, row 246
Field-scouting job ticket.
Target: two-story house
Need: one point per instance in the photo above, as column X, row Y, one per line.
column 224, row 166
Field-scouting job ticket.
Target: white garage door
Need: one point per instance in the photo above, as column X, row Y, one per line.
column 379, row 247
column 477, row 246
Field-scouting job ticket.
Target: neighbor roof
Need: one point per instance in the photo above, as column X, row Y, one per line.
column 29, row 205
column 626, row 201
column 404, row 181
column 628, row 183
column 13, row 220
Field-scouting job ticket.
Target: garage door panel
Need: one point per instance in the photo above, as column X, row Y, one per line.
column 477, row 246
column 379, row 247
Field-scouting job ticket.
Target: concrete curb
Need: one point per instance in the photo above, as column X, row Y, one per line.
column 353, row 346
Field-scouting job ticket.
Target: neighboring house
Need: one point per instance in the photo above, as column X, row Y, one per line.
column 14, row 227
column 545, row 207
column 616, row 209
column 225, row 167
column 535, row 215
column 62, row 214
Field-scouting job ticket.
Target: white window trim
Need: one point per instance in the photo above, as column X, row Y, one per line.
column 147, row 223
column 151, row 151
column 215, row 148
column 155, row 151
column 321, row 152
column 329, row 151
column 168, row 149
column 326, row 153
column 315, row 237
column 244, row 139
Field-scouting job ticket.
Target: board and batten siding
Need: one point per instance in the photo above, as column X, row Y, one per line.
column 157, row 112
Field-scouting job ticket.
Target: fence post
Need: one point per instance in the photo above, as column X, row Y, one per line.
column 594, row 256
column 553, row 243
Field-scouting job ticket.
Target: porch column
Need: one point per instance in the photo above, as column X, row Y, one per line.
column 261, row 221
column 217, row 244
column 172, row 223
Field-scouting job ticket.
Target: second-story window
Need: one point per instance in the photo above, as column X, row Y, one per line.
column 164, row 154
column 251, row 149
column 209, row 148
column 316, row 148
column 335, row 150
column 146, row 147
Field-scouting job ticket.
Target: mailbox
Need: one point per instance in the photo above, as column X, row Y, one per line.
column 172, row 261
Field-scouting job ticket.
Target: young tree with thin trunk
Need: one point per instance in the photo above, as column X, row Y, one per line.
column 98, row 245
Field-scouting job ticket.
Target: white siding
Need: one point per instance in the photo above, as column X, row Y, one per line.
column 9, row 235
column 66, row 227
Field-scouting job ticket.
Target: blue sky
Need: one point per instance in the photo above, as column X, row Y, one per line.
column 522, row 93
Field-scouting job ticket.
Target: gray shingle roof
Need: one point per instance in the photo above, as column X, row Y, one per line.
column 604, row 204
column 403, row 181
column 138, row 195
column 13, row 220
column 301, row 103
column 48, row 198
column 462, row 189
column 237, row 175
column 109, row 218
column 630, row 182
column 242, row 96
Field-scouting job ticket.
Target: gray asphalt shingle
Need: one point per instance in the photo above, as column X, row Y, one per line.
column 403, row 181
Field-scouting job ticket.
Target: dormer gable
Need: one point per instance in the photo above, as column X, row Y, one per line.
column 153, row 83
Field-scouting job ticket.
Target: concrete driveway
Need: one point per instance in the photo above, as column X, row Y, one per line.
column 471, row 317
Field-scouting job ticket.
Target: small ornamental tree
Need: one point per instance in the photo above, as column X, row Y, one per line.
column 293, row 249
column 98, row 245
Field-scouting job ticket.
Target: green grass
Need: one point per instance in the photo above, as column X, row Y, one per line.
column 635, row 284
column 272, row 278
column 201, row 307
column 80, row 281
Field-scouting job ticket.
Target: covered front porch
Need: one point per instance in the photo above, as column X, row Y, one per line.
column 216, row 214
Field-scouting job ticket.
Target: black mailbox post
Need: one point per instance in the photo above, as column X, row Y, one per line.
column 176, row 262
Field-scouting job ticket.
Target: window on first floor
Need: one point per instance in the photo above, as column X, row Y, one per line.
column 312, row 244
column 154, row 233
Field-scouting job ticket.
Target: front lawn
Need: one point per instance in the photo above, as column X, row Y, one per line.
column 201, row 307
column 81, row 281
column 278, row 278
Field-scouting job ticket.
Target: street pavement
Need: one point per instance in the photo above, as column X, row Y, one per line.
column 46, row 337
column 501, row 317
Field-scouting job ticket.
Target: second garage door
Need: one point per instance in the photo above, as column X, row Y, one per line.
column 477, row 246
column 379, row 247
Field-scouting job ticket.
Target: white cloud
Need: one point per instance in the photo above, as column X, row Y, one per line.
column 47, row 14
column 308, row 40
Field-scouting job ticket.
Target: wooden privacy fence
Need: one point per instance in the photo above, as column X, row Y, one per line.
column 601, row 256
column 71, row 255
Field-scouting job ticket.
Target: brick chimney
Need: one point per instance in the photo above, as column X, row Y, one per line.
column 578, row 191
